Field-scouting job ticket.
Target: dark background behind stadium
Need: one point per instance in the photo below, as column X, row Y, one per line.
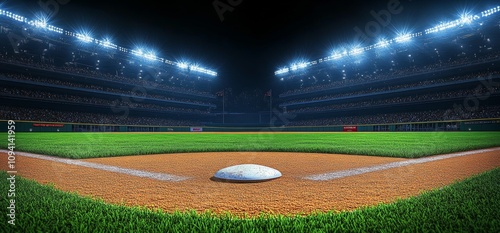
column 253, row 40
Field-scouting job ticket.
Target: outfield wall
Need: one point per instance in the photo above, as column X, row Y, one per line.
column 464, row 125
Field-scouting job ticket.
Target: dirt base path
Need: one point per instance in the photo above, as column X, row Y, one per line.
column 290, row 194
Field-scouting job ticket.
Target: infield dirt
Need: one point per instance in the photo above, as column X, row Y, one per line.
column 289, row 195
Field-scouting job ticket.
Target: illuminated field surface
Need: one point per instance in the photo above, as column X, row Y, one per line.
column 405, row 145
column 393, row 192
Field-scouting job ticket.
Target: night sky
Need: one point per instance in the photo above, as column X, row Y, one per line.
column 253, row 40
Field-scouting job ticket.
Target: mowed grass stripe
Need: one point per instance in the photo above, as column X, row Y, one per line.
column 395, row 144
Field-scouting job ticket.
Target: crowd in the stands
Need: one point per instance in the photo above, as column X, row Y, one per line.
column 20, row 59
column 110, row 103
column 47, row 115
column 482, row 112
column 132, row 93
column 399, row 87
column 164, row 111
column 478, row 92
column 395, row 74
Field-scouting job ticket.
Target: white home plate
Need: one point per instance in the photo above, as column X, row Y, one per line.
column 247, row 173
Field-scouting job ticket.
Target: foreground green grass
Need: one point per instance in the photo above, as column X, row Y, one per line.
column 468, row 206
column 408, row 145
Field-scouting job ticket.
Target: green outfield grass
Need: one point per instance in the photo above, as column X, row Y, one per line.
column 407, row 145
column 468, row 206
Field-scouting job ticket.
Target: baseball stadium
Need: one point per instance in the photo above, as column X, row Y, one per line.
column 397, row 133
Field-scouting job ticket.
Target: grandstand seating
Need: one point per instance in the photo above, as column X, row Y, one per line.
column 439, row 78
column 51, row 80
column 427, row 79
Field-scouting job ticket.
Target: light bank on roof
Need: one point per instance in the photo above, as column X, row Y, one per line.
column 41, row 24
column 464, row 19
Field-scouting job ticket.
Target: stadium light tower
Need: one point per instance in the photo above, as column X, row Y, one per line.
column 403, row 38
column 282, row 71
column 336, row 55
column 302, row 65
column 491, row 11
column 84, row 36
column 382, row 43
column 150, row 56
column 466, row 19
column 40, row 22
column 106, row 43
column 183, row 65
column 13, row 16
column 356, row 51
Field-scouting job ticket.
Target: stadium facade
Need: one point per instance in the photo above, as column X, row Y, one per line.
column 443, row 78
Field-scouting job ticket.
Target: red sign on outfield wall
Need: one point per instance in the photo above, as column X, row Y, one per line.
column 350, row 128
column 196, row 129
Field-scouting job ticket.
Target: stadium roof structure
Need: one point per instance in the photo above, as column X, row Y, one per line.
column 465, row 19
column 248, row 46
column 41, row 25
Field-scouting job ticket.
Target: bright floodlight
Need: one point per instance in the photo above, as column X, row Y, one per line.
column 182, row 65
column 356, row 51
column 13, row 16
column 336, row 55
column 85, row 37
column 302, row 65
column 137, row 52
column 141, row 53
column 195, row 68
column 403, row 38
column 41, row 23
column 202, row 70
column 491, row 11
column 55, row 29
column 382, row 44
column 150, row 56
column 108, row 44
column 466, row 19
column 282, row 71
column 442, row 26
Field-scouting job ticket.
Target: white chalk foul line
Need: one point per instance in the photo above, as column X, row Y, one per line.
column 358, row 171
column 132, row 172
